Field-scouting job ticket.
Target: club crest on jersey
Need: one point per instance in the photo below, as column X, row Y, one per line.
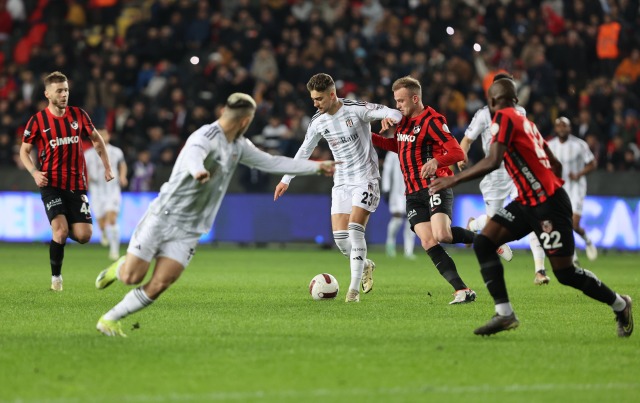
column 416, row 129
column 547, row 226
column 74, row 125
column 349, row 122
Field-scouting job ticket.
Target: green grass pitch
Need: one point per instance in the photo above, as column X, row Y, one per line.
column 240, row 326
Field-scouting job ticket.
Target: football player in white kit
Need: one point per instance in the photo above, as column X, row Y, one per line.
column 497, row 185
column 106, row 196
column 577, row 161
column 187, row 206
column 345, row 124
column 393, row 184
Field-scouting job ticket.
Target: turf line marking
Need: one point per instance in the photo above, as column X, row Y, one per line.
column 226, row 396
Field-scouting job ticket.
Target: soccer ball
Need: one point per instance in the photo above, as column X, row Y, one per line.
column 324, row 286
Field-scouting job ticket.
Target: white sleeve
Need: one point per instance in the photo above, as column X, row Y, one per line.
column 521, row 110
column 195, row 152
column 477, row 125
column 306, row 149
column 587, row 155
column 370, row 112
column 263, row 161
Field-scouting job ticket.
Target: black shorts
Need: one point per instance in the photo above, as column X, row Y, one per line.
column 73, row 204
column 421, row 205
column 552, row 221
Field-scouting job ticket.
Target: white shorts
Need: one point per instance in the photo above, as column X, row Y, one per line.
column 576, row 195
column 397, row 203
column 495, row 193
column 364, row 195
column 154, row 238
column 102, row 204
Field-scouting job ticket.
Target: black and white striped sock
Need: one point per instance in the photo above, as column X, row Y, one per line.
column 134, row 301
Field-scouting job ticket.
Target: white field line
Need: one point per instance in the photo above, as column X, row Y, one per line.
column 424, row 390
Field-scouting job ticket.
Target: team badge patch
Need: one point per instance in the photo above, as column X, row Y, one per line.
column 84, row 198
column 27, row 133
column 547, row 226
column 416, row 129
column 445, row 128
column 349, row 122
column 495, row 128
column 74, row 125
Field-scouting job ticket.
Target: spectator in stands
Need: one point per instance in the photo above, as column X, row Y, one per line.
column 629, row 70
column 143, row 170
column 630, row 131
column 6, row 150
column 607, row 46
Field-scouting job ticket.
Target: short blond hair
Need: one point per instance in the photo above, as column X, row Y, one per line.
column 239, row 105
column 54, row 78
column 411, row 84
column 321, row 82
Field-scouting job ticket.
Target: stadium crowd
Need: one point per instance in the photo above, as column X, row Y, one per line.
column 153, row 71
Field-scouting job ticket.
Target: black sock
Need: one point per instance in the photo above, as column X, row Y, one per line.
column 587, row 282
column 446, row 266
column 56, row 255
column 461, row 235
column 491, row 268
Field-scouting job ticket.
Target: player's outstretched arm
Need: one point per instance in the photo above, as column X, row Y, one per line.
column 389, row 144
column 25, row 157
column 122, row 169
column 311, row 139
column 465, row 146
column 101, row 149
column 264, row 161
column 489, row 164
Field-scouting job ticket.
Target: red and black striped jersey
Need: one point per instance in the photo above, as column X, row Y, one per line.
column 417, row 140
column 60, row 146
column 526, row 160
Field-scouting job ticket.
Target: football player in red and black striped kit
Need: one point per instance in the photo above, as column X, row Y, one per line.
column 426, row 149
column 56, row 132
column 542, row 206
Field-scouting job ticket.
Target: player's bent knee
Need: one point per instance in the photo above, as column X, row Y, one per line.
column 428, row 243
column 442, row 236
column 130, row 277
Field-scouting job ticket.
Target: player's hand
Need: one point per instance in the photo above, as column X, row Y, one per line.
column 108, row 174
column 573, row 177
column 203, row 177
column 328, row 168
column 463, row 163
column 124, row 182
column 387, row 123
column 280, row 189
column 429, row 169
column 40, row 178
column 442, row 183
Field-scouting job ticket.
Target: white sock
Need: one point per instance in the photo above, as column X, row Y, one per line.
column 392, row 229
column 114, row 240
column 118, row 269
column 478, row 224
column 343, row 242
column 619, row 304
column 409, row 239
column 358, row 254
column 504, row 309
column 575, row 256
column 56, row 278
column 107, row 231
column 585, row 237
column 538, row 252
column 134, row 301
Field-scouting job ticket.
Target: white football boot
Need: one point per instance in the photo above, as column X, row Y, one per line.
column 367, row 276
column 592, row 251
column 463, row 296
column 505, row 252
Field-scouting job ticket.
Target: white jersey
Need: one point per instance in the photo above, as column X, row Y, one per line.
column 192, row 206
column 392, row 177
column 494, row 182
column 393, row 182
column 574, row 154
column 348, row 133
column 98, row 186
